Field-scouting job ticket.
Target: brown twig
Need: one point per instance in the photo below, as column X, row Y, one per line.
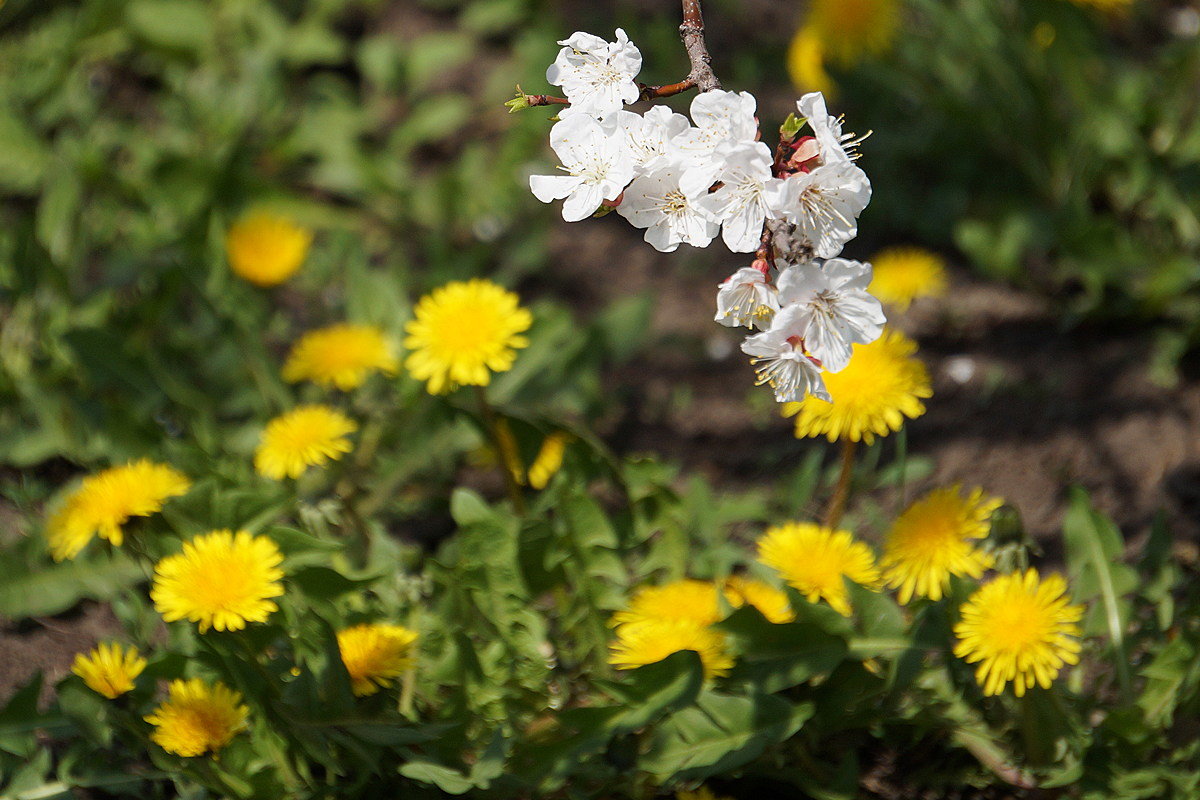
column 545, row 100
column 692, row 33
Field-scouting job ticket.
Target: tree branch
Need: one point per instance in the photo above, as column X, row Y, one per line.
column 692, row 33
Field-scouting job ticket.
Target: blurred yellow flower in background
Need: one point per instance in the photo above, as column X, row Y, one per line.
column 935, row 538
column 306, row 436
column 806, row 63
column 197, row 718
column 1019, row 629
column 882, row 384
column 851, row 29
column 107, row 500
column 816, row 560
column 902, row 274
column 549, row 459
column 375, row 653
column 109, row 669
column 266, row 248
column 770, row 601
column 221, row 580
column 462, row 332
column 341, row 356
column 648, row 641
column 841, row 32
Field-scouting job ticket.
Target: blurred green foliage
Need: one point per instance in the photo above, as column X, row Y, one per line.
column 1054, row 145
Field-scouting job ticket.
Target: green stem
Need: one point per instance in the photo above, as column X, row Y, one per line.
column 502, row 450
column 841, row 491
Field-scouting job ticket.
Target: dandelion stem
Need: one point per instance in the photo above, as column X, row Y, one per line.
column 841, row 491
column 504, row 452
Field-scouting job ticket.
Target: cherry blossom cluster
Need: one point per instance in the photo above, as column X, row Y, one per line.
column 684, row 181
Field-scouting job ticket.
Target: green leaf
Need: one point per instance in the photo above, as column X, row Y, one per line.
column 448, row 780
column 53, row 588
column 775, row 657
column 653, row 690
column 182, row 25
column 721, row 732
column 1094, row 550
column 324, row 583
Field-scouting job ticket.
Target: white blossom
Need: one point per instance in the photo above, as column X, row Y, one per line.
column 824, row 205
column 596, row 166
column 748, row 299
column 718, row 117
column 832, row 144
column 779, row 358
column 829, row 308
column 743, row 202
column 647, row 138
column 596, row 76
column 655, row 202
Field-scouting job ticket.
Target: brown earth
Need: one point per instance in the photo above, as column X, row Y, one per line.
column 1021, row 406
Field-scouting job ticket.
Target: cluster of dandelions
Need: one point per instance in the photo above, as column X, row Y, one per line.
column 686, row 181
column 1020, row 628
column 225, row 581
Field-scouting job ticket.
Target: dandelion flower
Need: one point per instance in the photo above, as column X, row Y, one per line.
column 464, row 331
column 770, row 601
column 265, row 248
column 304, row 437
column 851, row 29
column 221, row 580
column 688, row 600
column 816, row 560
column 882, row 385
column 934, row 539
column 549, row 459
column 1021, row 629
column 109, row 669
column 107, row 500
column 374, row 654
column 806, row 63
column 197, row 718
column 651, row 640
column 340, row 355
column 902, row 274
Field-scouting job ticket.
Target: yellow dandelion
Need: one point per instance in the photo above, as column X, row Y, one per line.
column 307, row 436
column 816, row 561
column 806, row 63
column 221, row 580
column 376, row 653
column 902, row 274
column 464, row 331
column 649, row 641
column 265, row 248
column 770, row 601
column 197, row 718
column 107, row 500
column 1020, row 629
column 109, row 669
column 688, row 600
column 852, row 29
column 882, row 384
column 935, row 538
column 549, row 459
column 340, row 355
